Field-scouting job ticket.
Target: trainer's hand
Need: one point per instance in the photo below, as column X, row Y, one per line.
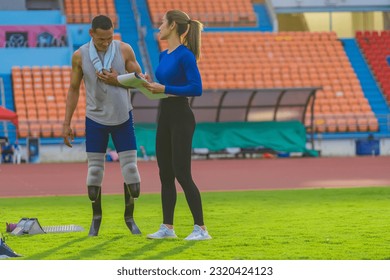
column 67, row 134
column 155, row 87
column 146, row 76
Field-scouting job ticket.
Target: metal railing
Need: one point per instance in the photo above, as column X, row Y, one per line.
column 2, row 92
column 141, row 41
column 2, row 99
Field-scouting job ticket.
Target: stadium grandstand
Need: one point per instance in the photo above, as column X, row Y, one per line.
column 322, row 68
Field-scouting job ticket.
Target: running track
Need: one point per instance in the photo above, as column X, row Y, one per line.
column 50, row 179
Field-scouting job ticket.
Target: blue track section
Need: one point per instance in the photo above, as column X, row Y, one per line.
column 263, row 17
column 33, row 56
column 367, row 81
column 9, row 100
column 31, row 17
column 151, row 33
column 128, row 26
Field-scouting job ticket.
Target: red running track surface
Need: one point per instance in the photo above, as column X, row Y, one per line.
column 47, row 179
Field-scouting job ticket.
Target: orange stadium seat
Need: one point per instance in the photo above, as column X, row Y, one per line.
column 83, row 11
column 39, row 93
column 286, row 59
column 57, row 129
column 220, row 13
column 23, row 129
column 46, row 129
column 117, row 36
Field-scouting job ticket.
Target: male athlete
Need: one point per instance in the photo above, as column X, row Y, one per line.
column 109, row 111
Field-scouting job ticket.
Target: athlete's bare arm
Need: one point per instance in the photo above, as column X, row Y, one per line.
column 131, row 65
column 73, row 97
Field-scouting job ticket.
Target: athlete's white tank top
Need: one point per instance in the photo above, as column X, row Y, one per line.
column 106, row 104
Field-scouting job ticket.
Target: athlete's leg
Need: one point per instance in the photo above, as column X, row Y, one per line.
column 124, row 140
column 96, row 145
column 128, row 162
column 182, row 132
column 129, row 211
column 94, row 194
column 129, row 168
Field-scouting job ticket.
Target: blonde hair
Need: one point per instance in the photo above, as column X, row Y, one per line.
column 188, row 28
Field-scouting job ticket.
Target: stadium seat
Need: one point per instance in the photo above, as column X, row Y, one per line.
column 220, row 13
column 286, row 59
column 117, row 36
column 79, row 11
column 43, row 89
column 375, row 48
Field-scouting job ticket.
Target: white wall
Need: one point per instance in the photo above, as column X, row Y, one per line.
column 328, row 148
column 59, row 153
column 346, row 147
column 368, row 21
column 384, row 147
column 345, row 24
column 340, row 22
column 335, row 148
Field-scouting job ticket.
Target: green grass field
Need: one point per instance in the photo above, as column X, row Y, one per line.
column 317, row 224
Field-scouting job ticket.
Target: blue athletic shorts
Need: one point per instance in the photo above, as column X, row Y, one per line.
column 97, row 135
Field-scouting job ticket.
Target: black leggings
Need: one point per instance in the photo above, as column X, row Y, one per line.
column 176, row 125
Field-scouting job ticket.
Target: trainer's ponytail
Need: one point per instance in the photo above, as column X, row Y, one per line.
column 189, row 30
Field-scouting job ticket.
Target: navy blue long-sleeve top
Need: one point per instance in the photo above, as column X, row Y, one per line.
column 179, row 72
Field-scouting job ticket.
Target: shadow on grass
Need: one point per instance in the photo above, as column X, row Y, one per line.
column 90, row 252
column 47, row 253
column 152, row 247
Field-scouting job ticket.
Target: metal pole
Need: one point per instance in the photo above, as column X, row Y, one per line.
column 2, row 98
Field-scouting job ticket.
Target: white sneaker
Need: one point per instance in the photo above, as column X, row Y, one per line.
column 198, row 234
column 163, row 232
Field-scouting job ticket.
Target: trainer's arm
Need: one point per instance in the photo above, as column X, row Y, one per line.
column 72, row 98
